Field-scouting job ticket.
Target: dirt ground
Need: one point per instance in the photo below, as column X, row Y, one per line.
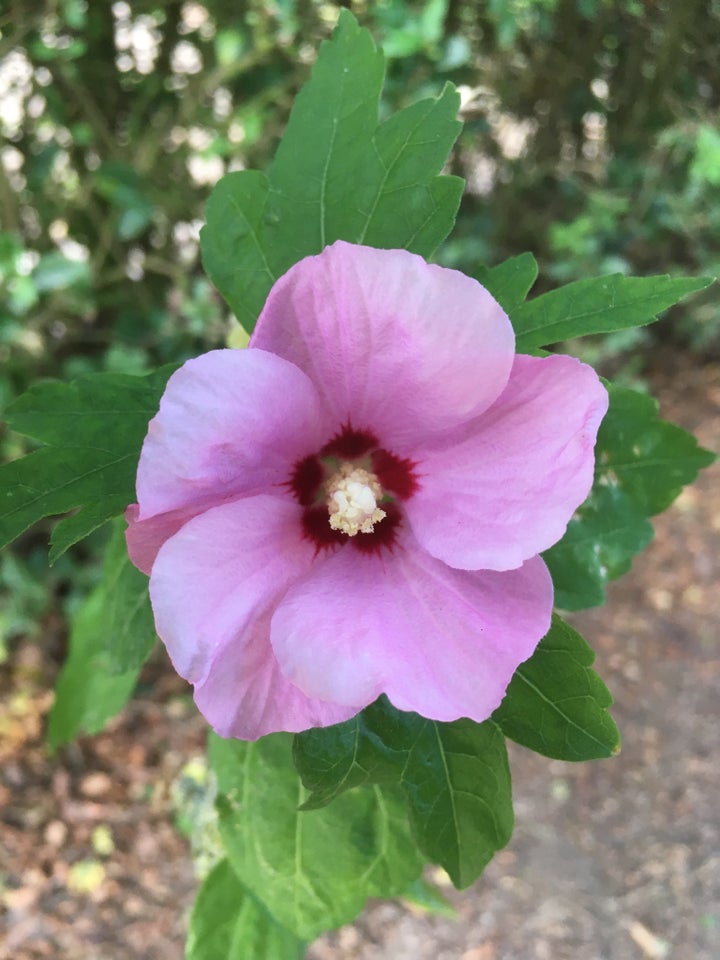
column 615, row 860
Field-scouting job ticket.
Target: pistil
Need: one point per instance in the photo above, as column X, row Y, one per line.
column 352, row 500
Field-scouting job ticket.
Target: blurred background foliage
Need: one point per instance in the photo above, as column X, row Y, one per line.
column 591, row 139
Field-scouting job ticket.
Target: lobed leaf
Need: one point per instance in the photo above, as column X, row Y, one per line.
column 93, row 429
column 337, row 174
column 312, row 870
column 597, row 305
column 556, row 704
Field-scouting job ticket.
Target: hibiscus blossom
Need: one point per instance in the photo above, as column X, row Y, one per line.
column 355, row 504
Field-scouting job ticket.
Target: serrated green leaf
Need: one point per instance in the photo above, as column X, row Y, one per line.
column 312, row 870
column 454, row 775
column 337, row 174
column 601, row 540
column 331, row 123
column 228, row 924
column 87, row 693
column 598, row 305
column 93, row 429
column 556, row 704
column 411, row 207
column 510, row 282
column 650, row 459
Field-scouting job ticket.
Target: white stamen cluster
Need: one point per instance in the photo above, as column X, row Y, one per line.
column 352, row 496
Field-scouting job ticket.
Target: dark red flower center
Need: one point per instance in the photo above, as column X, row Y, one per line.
column 359, row 451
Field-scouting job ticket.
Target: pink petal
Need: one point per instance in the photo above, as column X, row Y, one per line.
column 231, row 422
column 220, row 573
column 439, row 641
column 213, row 589
column 392, row 344
column 247, row 696
column 507, row 490
column 145, row 537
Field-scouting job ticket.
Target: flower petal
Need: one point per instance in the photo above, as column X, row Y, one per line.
column 247, row 696
column 507, row 490
column 392, row 344
column 439, row 641
column 231, row 422
column 220, row 573
column 145, row 537
column 213, row 589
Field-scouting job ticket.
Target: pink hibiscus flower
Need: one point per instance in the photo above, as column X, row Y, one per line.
column 355, row 504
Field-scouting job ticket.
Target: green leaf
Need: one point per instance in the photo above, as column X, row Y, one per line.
column 705, row 167
column 598, row 305
column 129, row 633
column 649, row 459
column 313, row 870
column 556, row 705
column 641, row 465
column 455, row 777
column 111, row 637
column 234, row 245
column 337, row 174
column 510, row 282
column 93, row 429
column 88, row 693
column 372, row 747
column 134, row 220
column 459, row 792
column 228, row 924
column 601, row 540
column 426, row 897
column 55, row 271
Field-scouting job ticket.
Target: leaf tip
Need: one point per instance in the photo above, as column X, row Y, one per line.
column 451, row 92
column 346, row 18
